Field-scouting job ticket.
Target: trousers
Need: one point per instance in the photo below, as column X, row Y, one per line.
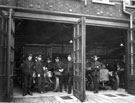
column 96, row 78
column 27, row 83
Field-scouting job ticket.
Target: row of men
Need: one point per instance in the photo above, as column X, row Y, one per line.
column 38, row 66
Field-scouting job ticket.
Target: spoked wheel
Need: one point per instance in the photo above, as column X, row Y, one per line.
column 55, row 84
column 89, row 82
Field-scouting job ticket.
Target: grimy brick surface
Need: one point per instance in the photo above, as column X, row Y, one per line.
column 73, row 6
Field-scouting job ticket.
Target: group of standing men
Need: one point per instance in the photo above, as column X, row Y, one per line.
column 37, row 68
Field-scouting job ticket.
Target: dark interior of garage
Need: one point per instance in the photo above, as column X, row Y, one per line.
column 41, row 37
column 38, row 33
column 108, row 43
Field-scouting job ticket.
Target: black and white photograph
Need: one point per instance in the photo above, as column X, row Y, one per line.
column 67, row 51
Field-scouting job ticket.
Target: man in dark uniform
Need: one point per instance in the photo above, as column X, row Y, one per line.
column 95, row 67
column 27, row 69
column 68, row 74
column 39, row 73
column 59, row 67
column 49, row 64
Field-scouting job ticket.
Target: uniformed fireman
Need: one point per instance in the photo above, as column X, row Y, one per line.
column 59, row 67
column 95, row 67
column 68, row 74
column 39, row 72
column 48, row 67
column 49, row 64
column 27, row 69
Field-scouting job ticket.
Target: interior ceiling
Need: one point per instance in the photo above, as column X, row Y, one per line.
column 43, row 32
column 28, row 31
column 103, row 36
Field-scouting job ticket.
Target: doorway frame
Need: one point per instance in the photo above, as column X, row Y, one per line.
column 44, row 15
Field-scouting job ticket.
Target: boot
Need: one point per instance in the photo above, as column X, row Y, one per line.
column 29, row 92
column 24, row 93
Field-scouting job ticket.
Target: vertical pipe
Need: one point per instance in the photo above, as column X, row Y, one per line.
column 131, row 37
column 9, row 41
column 132, row 51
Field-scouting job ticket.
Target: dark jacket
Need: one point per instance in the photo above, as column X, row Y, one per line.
column 58, row 65
column 27, row 67
column 49, row 66
column 95, row 67
column 69, row 68
column 38, row 67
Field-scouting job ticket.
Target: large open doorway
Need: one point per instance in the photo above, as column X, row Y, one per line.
column 49, row 39
column 56, row 39
column 109, row 44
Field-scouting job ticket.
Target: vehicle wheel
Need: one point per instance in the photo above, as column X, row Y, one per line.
column 116, row 83
column 89, row 82
column 56, row 84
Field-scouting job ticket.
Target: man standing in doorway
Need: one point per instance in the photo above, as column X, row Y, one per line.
column 39, row 72
column 68, row 74
column 59, row 67
column 48, row 68
column 27, row 69
column 95, row 67
column 49, row 64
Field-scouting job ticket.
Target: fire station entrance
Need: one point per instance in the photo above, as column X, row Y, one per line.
column 109, row 44
column 114, row 46
column 50, row 39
